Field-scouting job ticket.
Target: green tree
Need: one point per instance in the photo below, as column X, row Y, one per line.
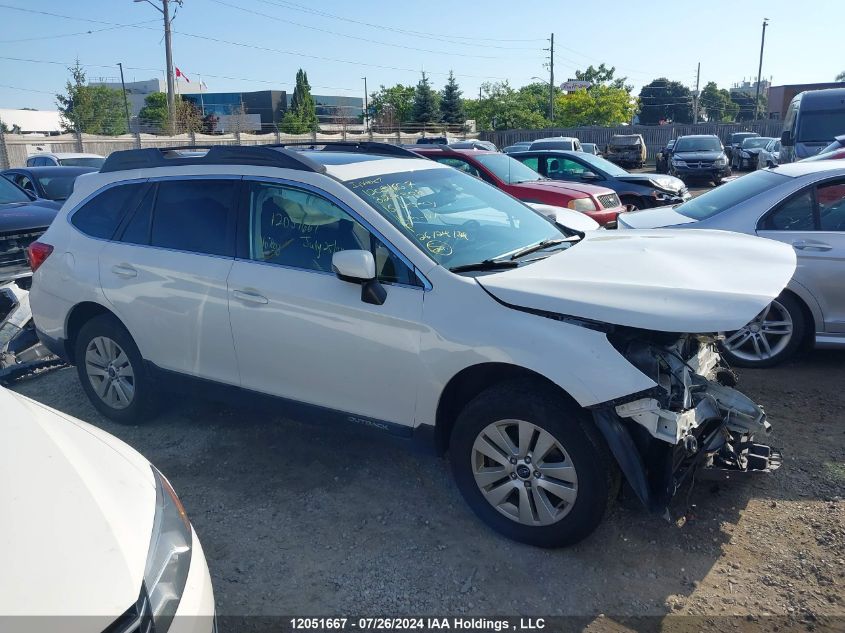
column 716, row 103
column 451, row 104
column 535, row 97
column 603, row 76
column 503, row 108
column 392, row 106
column 301, row 117
column 90, row 109
column 601, row 105
column 425, row 108
column 841, row 76
column 664, row 100
column 153, row 115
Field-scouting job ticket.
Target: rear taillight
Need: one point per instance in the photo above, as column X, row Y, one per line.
column 37, row 254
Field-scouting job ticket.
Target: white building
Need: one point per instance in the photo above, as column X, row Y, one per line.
column 32, row 121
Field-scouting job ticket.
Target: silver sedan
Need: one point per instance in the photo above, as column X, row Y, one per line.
column 801, row 204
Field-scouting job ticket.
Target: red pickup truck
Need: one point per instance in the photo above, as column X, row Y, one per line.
column 523, row 183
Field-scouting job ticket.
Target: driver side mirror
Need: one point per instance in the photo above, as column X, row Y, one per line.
column 786, row 138
column 359, row 267
column 589, row 175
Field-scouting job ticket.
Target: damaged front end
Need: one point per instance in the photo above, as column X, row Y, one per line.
column 693, row 425
column 20, row 350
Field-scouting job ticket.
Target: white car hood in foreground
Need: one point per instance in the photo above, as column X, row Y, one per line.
column 672, row 281
column 78, row 508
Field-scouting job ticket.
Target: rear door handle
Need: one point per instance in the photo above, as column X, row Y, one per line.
column 811, row 245
column 124, row 270
column 250, row 296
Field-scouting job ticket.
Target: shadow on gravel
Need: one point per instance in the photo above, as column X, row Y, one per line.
column 300, row 519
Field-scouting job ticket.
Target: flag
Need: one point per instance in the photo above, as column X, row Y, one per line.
column 179, row 73
column 203, row 85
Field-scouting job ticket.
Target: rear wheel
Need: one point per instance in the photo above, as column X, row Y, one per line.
column 112, row 371
column 531, row 466
column 770, row 338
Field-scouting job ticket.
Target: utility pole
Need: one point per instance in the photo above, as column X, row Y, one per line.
column 366, row 107
column 697, row 97
column 760, row 71
column 552, row 79
column 164, row 9
column 125, row 101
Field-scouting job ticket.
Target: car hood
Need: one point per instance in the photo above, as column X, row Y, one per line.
column 569, row 188
column 21, row 216
column 655, row 218
column 696, row 155
column 78, row 508
column 670, row 281
column 666, row 183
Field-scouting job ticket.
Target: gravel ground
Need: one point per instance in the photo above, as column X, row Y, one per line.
column 301, row 518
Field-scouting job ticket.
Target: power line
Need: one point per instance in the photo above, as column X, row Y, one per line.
column 353, row 37
column 60, row 35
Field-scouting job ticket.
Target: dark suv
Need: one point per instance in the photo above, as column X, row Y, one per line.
column 699, row 156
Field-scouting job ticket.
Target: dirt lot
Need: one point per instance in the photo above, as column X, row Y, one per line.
column 300, row 518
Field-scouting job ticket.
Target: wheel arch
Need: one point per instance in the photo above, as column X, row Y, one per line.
column 79, row 315
column 471, row 381
column 810, row 308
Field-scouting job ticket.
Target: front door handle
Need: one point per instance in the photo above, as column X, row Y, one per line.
column 811, row 245
column 124, row 270
column 250, row 296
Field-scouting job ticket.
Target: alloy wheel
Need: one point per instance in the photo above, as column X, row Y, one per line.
column 110, row 372
column 524, row 472
column 764, row 337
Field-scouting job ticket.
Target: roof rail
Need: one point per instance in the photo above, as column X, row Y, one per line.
column 362, row 147
column 259, row 155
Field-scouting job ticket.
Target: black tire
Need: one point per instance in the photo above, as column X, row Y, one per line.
column 800, row 331
column 597, row 475
column 636, row 202
column 144, row 401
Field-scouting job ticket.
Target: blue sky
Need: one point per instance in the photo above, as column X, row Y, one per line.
column 259, row 44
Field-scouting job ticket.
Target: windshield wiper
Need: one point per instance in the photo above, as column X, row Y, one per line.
column 486, row 264
column 539, row 247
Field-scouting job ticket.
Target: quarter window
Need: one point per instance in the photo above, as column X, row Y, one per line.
column 100, row 216
column 195, row 215
column 297, row 228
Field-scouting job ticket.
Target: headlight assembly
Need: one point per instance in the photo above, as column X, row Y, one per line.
column 584, row 205
column 169, row 557
column 721, row 162
column 679, row 163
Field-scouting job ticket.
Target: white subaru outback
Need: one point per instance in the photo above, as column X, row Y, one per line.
column 366, row 284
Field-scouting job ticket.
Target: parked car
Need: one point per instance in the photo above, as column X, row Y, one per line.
column 735, row 140
column 49, row 183
column 517, row 147
column 769, row 156
column 590, row 148
column 663, row 156
column 505, row 173
column 23, row 218
column 699, row 156
column 813, row 119
column 474, row 144
column 747, row 154
column 557, row 142
column 803, row 205
column 627, row 150
column 93, row 530
column 637, row 191
column 374, row 287
column 834, row 151
column 65, row 159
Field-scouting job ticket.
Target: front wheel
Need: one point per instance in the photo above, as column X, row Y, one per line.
column 531, row 465
column 770, row 338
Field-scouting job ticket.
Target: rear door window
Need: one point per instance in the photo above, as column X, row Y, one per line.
column 101, row 215
column 796, row 214
column 831, row 200
column 195, row 215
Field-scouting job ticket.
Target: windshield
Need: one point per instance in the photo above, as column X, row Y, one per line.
column 606, row 166
column 454, row 218
column 700, row 144
column 738, row 137
column 82, row 162
column 751, row 143
column 57, row 187
column 508, row 169
column 731, row 193
column 10, row 193
column 820, row 126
